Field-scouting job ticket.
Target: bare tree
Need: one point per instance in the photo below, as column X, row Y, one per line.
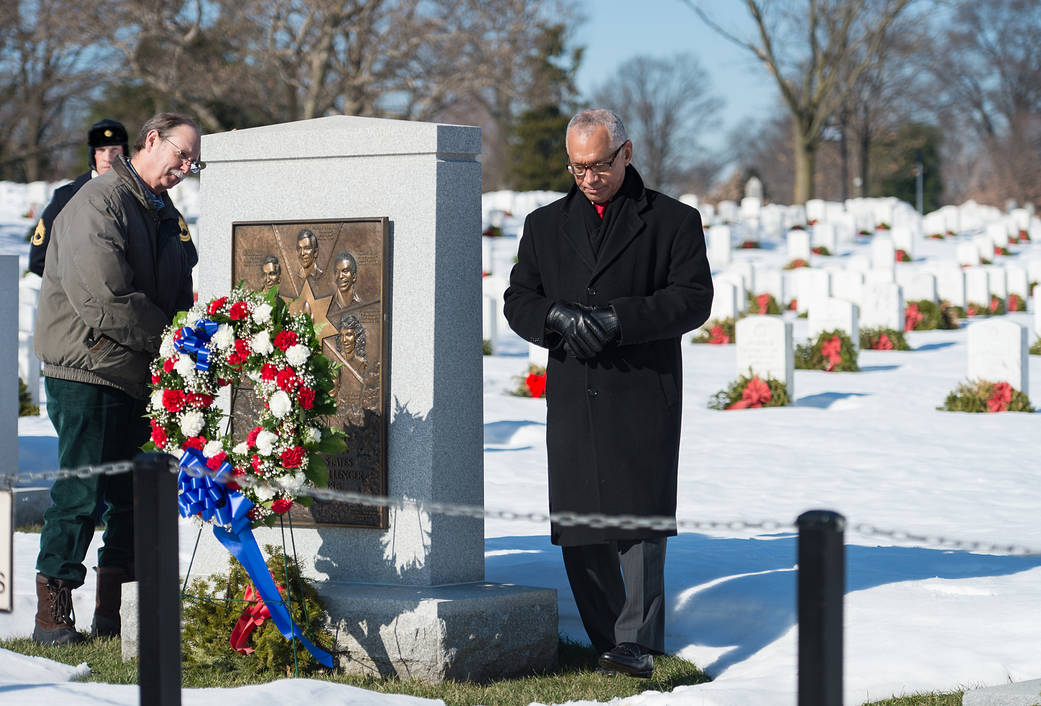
column 814, row 54
column 666, row 105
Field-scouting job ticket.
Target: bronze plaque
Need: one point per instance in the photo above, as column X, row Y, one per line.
column 338, row 271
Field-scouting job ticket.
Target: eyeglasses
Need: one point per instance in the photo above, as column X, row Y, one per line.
column 194, row 165
column 600, row 168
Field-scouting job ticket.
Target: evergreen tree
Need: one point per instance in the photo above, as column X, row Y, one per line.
column 897, row 159
column 537, row 154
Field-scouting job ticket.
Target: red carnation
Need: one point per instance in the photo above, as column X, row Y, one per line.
column 214, row 463
column 194, row 442
column 238, row 311
column 305, row 396
column 199, row 400
column 287, row 379
column 284, row 340
column 268, row 372
column 215, row 305
column 155, row 379
column 255, row 462
column 158, row 435
column 251, row 438
column 173, row 400
column 291, row 458
column 281, row 506
column 168, row 365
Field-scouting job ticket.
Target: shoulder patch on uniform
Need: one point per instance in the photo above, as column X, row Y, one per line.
column 186, row 236
column 40, row 233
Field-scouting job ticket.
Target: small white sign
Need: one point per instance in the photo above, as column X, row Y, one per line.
column 6, row 550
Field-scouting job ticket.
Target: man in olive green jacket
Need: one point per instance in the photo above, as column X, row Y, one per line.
column 118, row 269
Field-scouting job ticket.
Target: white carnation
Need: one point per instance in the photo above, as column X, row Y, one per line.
column 261, row 342
column 263, row 493
column 291, row 482
column 240, row 449
column 185, row 366
column 157, row 399
column 262, row 314
column 280, row 404
column 224, row 338
column 166, row 348
column 312, row 435
column 212, row 448
column 266, row 442
column 192, row 423
column 297, row 355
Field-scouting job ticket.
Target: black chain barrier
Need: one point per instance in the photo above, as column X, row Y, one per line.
column 567, row 519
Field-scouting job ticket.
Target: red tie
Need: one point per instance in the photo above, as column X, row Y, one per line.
column 600, row 208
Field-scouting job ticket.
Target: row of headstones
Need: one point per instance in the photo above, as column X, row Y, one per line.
column 998, row 349
column 881, row 293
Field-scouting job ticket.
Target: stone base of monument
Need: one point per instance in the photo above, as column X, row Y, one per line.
column 1025, row 693
column 29, row 505
column 471, row 631
column 475, row 631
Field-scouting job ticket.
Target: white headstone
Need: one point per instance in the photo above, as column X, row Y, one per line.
column 1019, row 219
column 1037, row 311
column 835, row 315
column 798, row 245
column 883, row 254
column 764, row 345
column 847, row 285
column 718, row 246
column 882, row 307
column 811, row 285
column 746, row 270
column 1034, row 270
column 772, row 281
column 967, row 254
column 875, row 276
column 997, row 281
column 984, row 246
column 977, row 286
column 997, row 232
column 998, row 352
column 919, row 286
column 28, row 363
column 724, row 301
column 858, row 263
column 824, row 236
column 903, row 239
column 950, row 285
column 737, row 279
column 1017, row 283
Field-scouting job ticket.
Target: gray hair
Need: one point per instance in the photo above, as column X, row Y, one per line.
column 162, row 123
column 591, row 119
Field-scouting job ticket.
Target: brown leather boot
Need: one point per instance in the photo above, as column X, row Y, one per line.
column 109, row 596
column 55, row 617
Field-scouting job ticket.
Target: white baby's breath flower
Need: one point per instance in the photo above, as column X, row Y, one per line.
column 224, row 338
column 212, row 448
column 297, row 355
column 185, row 366
column 280, row 404
column 166, row 348
column 261, row 342
column 266, row 443
column 240, row 449
column 262, row 313
column 192, row 423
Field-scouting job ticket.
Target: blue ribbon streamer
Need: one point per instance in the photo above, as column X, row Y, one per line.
column 206, row 495
column 196, row 341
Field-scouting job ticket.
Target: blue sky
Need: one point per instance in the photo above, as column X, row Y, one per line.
column 616, row 30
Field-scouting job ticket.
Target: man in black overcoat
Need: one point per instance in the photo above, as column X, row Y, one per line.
column 609, row 278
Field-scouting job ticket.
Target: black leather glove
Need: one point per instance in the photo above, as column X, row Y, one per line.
column 582, row 334
column 608, row 320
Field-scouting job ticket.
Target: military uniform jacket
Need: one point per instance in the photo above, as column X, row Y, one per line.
column 117, row 271
column 613, row 422
column 41, row 235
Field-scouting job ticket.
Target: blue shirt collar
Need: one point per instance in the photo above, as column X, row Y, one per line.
column 156, row 201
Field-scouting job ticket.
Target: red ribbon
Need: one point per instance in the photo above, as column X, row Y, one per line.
column 1000, row 397
column 912, row 317
column 755, row 394
column 536, row 384
column 252, row 618
column 832, row 351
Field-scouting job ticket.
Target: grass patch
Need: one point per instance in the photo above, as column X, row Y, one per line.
column 573, row 679
column 932, row 698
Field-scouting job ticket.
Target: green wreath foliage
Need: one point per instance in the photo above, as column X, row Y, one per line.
column 936, row 316
column 727, row 328
column 973, row 396
column 211, row 607
column 733, row 393
column 523, row 389
column 1036, row 348
column 772, row 308
column 870, row 337
column 808, row 356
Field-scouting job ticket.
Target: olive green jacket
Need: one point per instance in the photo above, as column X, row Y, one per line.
column 117, row 271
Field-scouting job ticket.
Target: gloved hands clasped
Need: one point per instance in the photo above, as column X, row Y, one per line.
column 585, row 330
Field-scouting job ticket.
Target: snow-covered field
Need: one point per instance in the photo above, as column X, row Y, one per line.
column 870, row 445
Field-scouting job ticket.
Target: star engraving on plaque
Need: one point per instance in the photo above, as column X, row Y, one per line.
column 317, row 307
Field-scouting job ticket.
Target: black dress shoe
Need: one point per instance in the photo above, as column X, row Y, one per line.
column 629, row 658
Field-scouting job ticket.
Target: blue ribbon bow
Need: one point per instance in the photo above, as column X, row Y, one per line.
column 207, row 495
column 196, row 341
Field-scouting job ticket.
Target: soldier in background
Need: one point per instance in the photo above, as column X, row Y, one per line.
column 106, row 140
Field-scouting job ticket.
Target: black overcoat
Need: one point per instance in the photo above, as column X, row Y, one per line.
column 613, row 422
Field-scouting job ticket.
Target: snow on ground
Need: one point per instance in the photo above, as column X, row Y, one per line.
column 870, row 445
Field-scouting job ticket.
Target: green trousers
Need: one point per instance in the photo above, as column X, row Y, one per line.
column 95, row 424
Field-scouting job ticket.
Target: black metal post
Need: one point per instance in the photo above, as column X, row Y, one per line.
column 822, row 584
column 159, row 602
